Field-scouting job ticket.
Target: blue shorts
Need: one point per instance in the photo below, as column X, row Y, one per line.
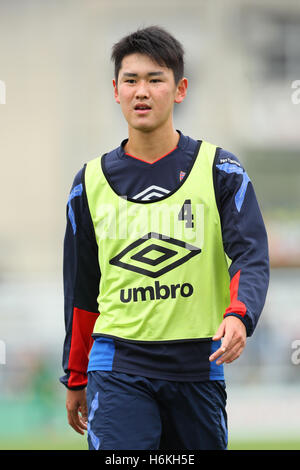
column 130, row 412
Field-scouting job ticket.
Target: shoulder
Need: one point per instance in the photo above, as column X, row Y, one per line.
column 78, row 179
column 77, row 187
column 80, row 175
column 229, row 175
column 227, row 161
column 228, row 170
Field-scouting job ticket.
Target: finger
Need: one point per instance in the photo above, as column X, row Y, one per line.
column 217, row 353
column 230, row 355
column 75, row 421
column 83, row 422
column 84, row 412
column 228, row 343
column 75, row 427
column 228, row 340
column 234, row 349
column 232, row 343
column 79, row 422
column 220, row 332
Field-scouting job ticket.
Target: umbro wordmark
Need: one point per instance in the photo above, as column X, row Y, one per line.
column 156, row 292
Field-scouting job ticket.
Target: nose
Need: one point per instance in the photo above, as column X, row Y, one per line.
column 142, row 91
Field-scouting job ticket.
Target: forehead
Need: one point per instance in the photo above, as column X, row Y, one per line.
column 140, row 64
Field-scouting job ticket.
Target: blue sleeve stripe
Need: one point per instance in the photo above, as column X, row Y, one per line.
column 216, row 371
column 230, row 168
column 240, row 195
column 76, row 191
column 102, row 354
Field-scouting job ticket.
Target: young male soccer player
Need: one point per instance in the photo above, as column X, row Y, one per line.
column 166, row 240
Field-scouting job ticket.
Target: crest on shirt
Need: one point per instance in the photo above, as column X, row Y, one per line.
column 181, row 175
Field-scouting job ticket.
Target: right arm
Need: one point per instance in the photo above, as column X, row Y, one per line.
column 81, row 276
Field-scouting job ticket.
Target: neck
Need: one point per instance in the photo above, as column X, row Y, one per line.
column 151, row 145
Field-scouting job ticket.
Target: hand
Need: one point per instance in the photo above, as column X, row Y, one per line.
column 233, row 332
column 77, row 410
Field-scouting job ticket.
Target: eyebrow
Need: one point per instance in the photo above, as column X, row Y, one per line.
column 150, row 74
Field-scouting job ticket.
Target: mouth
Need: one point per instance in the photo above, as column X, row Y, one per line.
column 142, row 108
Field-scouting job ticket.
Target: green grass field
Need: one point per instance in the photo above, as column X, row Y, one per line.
column 31, row 426
column 54, row 442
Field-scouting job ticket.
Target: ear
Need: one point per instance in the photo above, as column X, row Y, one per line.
column 116, row 93
column 181, row 90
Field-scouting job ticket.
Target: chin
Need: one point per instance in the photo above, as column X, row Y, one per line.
column 143, row 127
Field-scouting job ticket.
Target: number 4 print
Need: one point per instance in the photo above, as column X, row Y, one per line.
column 185, row 213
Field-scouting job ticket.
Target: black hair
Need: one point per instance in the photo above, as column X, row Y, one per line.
column 155, row 42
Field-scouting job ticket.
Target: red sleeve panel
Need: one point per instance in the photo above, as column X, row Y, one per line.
column 236, row 306
column 81, row 343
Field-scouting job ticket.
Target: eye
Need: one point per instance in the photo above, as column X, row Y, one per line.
column 130, row 80
column 155, row 80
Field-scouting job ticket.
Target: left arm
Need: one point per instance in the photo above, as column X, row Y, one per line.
column 245, row 243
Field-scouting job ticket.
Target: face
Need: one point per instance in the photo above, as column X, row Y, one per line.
column 147, row 92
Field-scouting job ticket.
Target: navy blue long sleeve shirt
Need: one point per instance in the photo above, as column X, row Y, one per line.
column 245, row 243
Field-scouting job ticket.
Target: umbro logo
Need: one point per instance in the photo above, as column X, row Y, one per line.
column 156, row 292
column 154, row 255
column 152, row 192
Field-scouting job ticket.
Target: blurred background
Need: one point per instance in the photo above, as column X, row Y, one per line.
column 57, row 112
